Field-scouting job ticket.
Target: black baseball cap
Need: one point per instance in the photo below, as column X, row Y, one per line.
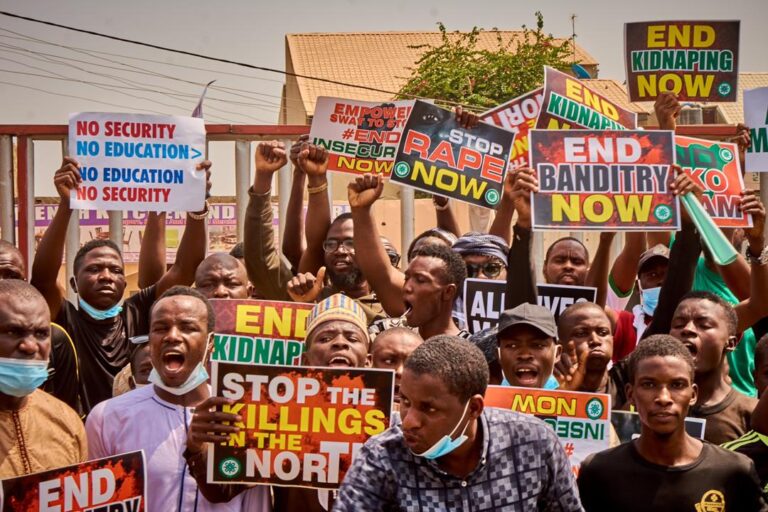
column 529, row 314
column 657, row 251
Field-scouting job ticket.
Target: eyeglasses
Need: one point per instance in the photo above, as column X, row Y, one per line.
column 331, row 245
column 394, row 258
column 489, row 270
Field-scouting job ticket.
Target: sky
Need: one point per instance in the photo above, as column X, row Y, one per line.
column 44, row 80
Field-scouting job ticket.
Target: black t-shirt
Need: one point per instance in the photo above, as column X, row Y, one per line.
column 102, row 347
column 717, row 481
column 755, row 446
column 64, row 379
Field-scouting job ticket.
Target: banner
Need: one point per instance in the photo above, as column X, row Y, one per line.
column 137, row 161
column 361, row 136
column 438, row 156
column 484, row 300
column 715, row 167
column 628, row 426
column 604, row 180
column 112, row 484
column 569, row 104
column 518, row 116
column 580, row 420
column 697, row 60
column 756, row 117
column 301, row 426
column 259, row 331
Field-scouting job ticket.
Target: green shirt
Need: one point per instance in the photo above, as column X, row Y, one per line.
column 742, row 359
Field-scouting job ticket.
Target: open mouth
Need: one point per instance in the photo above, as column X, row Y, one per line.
column 342, row 265
column 173, row 361
column 691, row 347
column 527, row 377
column 408, row 309
column 340, row 362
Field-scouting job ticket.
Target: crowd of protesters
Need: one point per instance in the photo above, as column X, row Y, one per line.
column 108, row 375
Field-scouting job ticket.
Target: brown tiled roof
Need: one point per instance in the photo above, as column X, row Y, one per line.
column 382, row 60
column 733, row 113
column 617, row 93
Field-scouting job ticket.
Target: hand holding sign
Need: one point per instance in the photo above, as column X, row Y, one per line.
column 364, row 191
column 306, row 287
column 743, row 140
column 67, row 178
column 466, row 118
column 751, row 204
column 206, row 165
column 207, row 426
column 667, row 109
column 525, row 185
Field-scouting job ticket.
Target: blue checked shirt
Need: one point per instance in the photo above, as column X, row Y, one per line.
column 522, row 468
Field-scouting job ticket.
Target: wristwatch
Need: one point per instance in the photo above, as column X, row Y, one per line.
column 762, row 259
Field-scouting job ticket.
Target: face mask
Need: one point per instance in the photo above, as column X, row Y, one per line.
column 20, row 377
column 446, row 445
column 649, row 299
column 100, row 314
column 197, row 377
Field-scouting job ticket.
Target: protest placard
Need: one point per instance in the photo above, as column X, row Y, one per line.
column 569, row 104
column 580, row 420
column 697, row 60
column 628, row 426
column 604, row 180
column 438, row 156
column 259, row 331
column 484, row 300
column 361, row 136
column 137, row 161
column 112, row 484
column 518, row 116
column 301, row 426
column 756, row 117
column 714, row 166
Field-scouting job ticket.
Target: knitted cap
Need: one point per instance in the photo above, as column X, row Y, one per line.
column 337, row 307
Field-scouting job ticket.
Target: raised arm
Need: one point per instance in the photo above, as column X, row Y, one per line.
column 624, row 270
column 382, row 277
column 502, row 222
column 756, row 306
column 192, row 247
column 446, row 217
column 521, row 284
column 313, row 160
column 49, row 253
column 295, row 244
column 152, row 252
column 262, row 259
column 667, row 108
column 601, row 263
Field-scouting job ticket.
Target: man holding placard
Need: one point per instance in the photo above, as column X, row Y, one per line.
column 103, row 322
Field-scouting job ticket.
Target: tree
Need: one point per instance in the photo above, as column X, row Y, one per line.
column 458, row 72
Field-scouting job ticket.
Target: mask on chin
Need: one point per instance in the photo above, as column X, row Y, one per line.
column 446, row 444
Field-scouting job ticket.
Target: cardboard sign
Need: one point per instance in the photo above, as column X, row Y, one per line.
column 518, row 116
column 628, row 426
column 137, row 161
column 438, row 156
column 361, row 136
column 112, row 484
column 301, row 426
column 580, row 420
column 715, row 167
column 756, row 117
column 697, row 60
column 569, row 104
column 594, row 180
column 484, row 300
column 259, row 331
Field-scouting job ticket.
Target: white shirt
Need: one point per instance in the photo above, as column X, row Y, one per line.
column 140, row 420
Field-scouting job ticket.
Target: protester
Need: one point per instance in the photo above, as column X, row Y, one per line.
column 484, row 255
column 64, row 373
column 181, row 321
column 448, row 440
column 136, row 374
column 527, row 346
column 37, row 431
column 221, row 276
column 103, row 322
column 666, row 469
column 391, row 348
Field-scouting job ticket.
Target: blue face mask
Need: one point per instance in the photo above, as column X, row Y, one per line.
column 649, row 299
column 197, row 377
column 446, row 444
column 20, row 377
column 100, row 314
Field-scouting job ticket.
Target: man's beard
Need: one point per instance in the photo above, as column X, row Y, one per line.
column 346, row 280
